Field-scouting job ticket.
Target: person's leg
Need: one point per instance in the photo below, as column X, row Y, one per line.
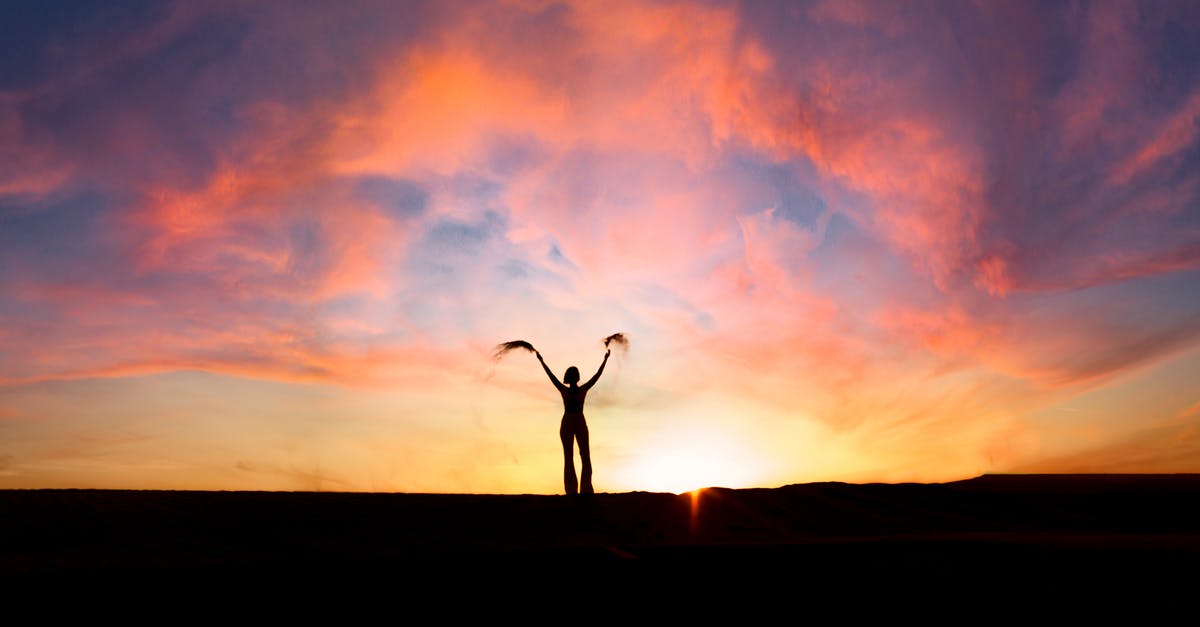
column 567, row 437
column 585, row 453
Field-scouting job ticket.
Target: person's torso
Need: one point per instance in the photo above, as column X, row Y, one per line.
column 573, row 399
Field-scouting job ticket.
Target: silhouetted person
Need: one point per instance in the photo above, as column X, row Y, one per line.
column 574, row 427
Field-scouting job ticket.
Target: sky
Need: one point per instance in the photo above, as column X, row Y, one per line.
column 272, row 245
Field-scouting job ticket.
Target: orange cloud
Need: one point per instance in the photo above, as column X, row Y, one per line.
column 581, row 166
column 237, row 227
column 1173, row 136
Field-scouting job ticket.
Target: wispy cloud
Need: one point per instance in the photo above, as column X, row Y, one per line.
column 909, row 226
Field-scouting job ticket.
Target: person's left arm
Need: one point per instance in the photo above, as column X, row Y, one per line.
column 600, row 371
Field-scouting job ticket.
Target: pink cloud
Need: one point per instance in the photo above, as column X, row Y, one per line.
column 1175, row 134
column 586, row 166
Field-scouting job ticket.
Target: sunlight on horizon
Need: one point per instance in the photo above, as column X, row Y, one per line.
column 816, row 227
column 698, row 460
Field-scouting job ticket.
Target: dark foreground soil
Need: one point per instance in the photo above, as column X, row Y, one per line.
column 998, row 538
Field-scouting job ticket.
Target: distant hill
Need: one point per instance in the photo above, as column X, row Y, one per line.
column 1048, row 531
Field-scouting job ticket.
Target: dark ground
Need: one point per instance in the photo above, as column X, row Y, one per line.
column 998, row 539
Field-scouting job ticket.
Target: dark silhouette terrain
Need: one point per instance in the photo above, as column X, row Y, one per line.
column 1024, row 535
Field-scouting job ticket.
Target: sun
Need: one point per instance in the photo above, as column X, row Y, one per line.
column 692, row 462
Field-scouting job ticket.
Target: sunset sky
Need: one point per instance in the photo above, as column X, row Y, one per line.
column 271, row 245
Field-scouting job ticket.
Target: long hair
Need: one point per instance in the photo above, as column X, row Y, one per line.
column 571, row 376
column 501, row 349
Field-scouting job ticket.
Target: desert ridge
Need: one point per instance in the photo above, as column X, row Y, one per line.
column 1049, row 532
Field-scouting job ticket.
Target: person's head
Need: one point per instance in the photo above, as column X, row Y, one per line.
column 572, row 375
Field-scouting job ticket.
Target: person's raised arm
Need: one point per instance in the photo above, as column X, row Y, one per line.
column 596, row 376
column 553, row 379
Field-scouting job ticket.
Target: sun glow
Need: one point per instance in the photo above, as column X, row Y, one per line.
column 691, row 463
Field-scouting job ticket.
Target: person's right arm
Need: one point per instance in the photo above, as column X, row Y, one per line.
column 553, row 379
